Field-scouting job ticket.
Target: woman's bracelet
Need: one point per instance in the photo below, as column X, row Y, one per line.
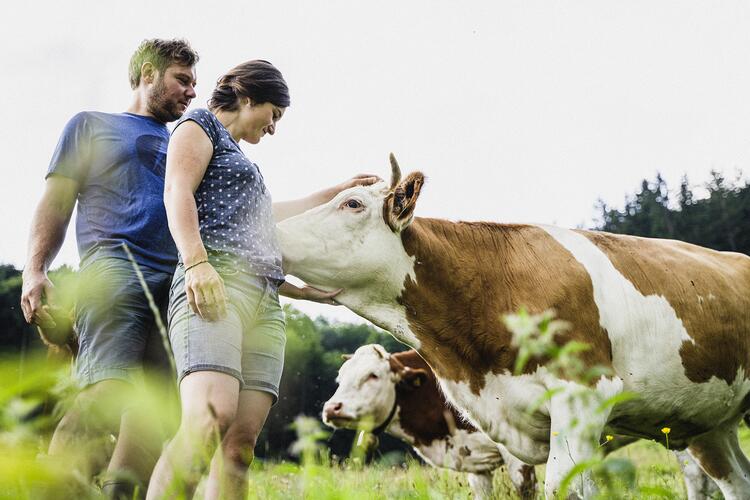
column 188, row 268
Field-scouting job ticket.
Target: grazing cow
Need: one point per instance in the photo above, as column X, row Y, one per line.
column 398, row 394
column 669, row 319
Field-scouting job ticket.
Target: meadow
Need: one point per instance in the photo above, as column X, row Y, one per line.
column 657, row 476
column 29, row 412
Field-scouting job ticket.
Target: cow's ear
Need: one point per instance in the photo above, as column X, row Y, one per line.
column 413, row 377
column 398, row 207
column 346, row 357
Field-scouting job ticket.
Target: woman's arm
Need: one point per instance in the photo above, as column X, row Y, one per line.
column 285, row 209
column 188, row 155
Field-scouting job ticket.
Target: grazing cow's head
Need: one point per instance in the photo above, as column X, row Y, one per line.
column 367, row 389
column 353, row 239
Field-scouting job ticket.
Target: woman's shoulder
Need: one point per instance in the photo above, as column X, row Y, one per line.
column 205, row 120
column 202, row 115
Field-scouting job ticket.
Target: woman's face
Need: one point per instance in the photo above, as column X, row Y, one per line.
column 259, row 120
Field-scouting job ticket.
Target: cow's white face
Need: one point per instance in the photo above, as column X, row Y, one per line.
column 340, row 243
column 366, row 392
column 353, row 241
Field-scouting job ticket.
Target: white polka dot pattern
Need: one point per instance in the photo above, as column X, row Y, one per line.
column 234, row 205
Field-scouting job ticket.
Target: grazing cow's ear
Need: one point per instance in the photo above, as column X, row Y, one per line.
column 413, row 377
column 382, row 354
column 346, row 357
column 399, row 204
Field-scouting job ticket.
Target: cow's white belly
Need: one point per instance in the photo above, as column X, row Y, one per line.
column 462, row 451
column 499, row 410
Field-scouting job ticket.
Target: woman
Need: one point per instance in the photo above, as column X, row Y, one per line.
column 225, row 323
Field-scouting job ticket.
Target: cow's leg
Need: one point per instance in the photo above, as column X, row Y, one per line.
column 481, row 485
column 697, row 484
column 719, row 455
column 576, row 422
column 523, row 476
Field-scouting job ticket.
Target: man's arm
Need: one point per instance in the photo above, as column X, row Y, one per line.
column 286, row 209
column 48, row 227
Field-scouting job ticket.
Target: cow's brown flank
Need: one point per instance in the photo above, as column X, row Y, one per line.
column 469, row 275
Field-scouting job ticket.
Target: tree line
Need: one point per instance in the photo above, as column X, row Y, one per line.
column 720, row 219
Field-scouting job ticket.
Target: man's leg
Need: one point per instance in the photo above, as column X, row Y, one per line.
column 114, row 321
column 147, row 424
column 135, row 454
column 228, row 476
column 82, row 434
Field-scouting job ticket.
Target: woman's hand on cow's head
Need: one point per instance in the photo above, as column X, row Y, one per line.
column 358, row 180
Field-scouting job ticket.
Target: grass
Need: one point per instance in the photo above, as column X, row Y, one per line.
column 22, row 476
column 658, row 477
column 26, row 474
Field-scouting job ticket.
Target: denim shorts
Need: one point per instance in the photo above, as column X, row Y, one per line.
column 117, row 330
column 248, row 343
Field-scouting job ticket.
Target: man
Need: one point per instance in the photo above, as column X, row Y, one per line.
column 113, row 166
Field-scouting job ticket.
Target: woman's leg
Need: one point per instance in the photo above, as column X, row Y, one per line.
column 209, row 406
column 228, row 476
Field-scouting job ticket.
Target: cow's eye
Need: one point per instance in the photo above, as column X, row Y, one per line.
column 353, row 204
column 373, row 376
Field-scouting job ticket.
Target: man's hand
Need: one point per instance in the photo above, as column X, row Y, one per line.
column 205, row 292
column 309, row 293
column 62, row 330
column 36, row 290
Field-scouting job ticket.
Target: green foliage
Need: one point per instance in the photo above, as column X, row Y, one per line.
column 539, row 340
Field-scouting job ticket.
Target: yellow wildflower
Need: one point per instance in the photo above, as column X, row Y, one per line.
column 665, row 430
column 609, row 437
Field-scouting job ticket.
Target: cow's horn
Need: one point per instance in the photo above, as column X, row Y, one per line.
column 395, row 172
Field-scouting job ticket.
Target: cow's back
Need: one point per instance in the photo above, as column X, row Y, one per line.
column 708, row 290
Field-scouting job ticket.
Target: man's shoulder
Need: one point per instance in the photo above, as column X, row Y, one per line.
column 93, row 119
column 96, row 122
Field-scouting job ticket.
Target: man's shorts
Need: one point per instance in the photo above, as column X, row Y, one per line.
column 248, row 343
column 117, row 330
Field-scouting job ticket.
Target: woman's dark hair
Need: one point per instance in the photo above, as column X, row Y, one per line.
column 259, row 80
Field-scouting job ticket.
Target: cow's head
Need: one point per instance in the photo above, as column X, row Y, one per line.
column 367, row 389
column 351, row 241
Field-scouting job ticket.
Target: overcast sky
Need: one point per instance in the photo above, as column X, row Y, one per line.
column 522, row 111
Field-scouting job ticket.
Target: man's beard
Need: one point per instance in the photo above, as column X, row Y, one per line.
column 160, row 105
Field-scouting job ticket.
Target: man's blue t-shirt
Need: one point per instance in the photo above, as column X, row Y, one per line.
column 119, row 162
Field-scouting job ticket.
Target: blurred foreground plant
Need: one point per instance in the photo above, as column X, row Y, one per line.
column 538, row 339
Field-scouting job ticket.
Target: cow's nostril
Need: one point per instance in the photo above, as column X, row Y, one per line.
column 337, row 407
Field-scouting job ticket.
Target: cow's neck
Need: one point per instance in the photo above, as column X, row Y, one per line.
column 424, row 415
column 454, row 305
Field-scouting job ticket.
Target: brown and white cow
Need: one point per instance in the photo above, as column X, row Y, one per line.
column 671, row 320
column 398, row 394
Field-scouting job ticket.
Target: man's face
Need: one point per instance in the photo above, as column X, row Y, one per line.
column 171, row 93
